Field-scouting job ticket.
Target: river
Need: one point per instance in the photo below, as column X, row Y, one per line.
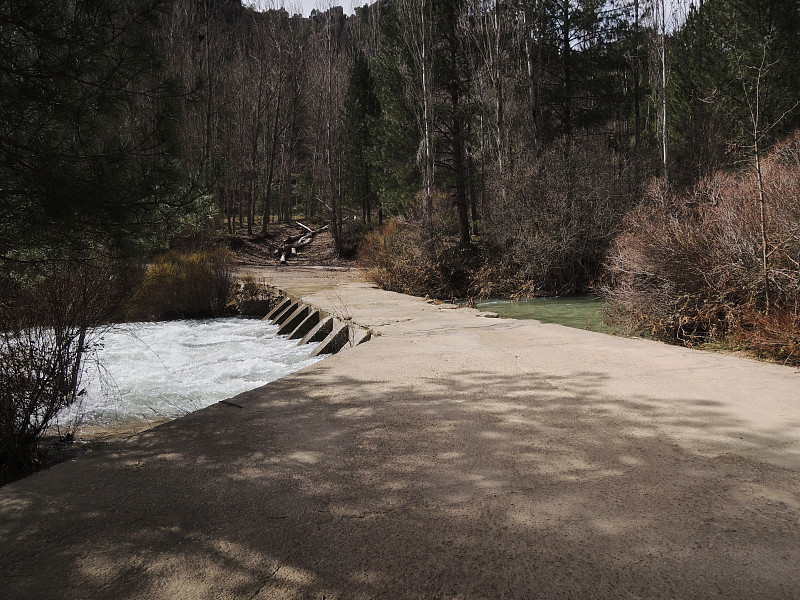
column 151, row 372
column 580, row 312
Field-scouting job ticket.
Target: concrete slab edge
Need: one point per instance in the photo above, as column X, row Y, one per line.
column 310, row 325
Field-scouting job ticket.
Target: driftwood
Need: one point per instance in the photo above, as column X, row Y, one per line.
column 292, row 244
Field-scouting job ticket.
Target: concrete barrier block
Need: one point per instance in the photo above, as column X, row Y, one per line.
column 293, row 320
column 319, row 332
column 305, row 325
column 278, row 309
column 286, row 313
column 356, row 336
column 359, row 336
column 334, row 342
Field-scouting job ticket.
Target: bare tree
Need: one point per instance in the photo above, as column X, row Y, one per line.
column 752, row 78
column 484, row 23
column 417, row 20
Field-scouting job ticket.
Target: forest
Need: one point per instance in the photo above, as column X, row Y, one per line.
column 468, row 148
column 644, row 150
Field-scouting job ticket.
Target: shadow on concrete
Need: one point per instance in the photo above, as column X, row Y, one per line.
column 470, row 486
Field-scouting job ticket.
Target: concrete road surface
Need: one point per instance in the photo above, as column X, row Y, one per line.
column 453, row 456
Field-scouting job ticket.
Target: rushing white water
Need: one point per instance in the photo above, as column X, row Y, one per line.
column 156, row 371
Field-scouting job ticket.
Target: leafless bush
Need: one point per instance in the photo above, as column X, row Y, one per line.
column 690, row 269
column 545, row 231
column 550, row 232
column 47, row 327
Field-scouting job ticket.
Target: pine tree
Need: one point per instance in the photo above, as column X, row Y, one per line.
column 362, row 109
column 88, row 155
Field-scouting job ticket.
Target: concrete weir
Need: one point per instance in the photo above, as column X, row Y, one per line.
column 455, row 456
column 311, row 325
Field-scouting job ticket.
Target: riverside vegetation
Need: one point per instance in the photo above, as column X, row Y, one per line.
column 51, row 331
column 459, row 147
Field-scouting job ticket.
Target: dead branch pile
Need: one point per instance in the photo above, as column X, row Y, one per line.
column 292, row 244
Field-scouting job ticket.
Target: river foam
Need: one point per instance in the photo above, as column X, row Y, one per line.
column 157, row 371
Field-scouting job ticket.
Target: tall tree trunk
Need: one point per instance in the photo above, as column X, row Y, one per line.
column 273, row 154
column 459, row 161
column 498, row 75
column 566, row 51
column 636, row 75
column 662, row 54
column 427, row 108
column 209, row 125
column 368, row 194
column 762, row 209
column 254, row 162
column 335, row 225
column 527, row 33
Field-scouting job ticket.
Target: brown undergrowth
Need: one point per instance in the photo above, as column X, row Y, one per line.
column 184, row 285
column 689, row 269
column 421, row 255
column 542, row 228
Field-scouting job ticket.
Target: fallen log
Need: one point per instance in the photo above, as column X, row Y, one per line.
column 292, row 244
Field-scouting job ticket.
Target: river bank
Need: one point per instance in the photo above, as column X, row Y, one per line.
column 453, row 456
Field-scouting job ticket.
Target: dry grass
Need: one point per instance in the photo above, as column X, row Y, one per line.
column 190, row 285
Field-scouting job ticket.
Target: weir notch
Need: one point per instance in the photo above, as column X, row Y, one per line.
column 298, row 320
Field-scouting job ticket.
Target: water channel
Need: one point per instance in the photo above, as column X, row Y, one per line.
column 580, row 312
column 151, row 372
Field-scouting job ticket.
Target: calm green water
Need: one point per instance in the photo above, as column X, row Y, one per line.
column 581, row 312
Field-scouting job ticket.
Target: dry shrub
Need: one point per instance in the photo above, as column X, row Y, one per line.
column 252, row 297
column 181, row 286
column 421, row 256
column 544, row 231
column 548, row 233
column 394, row 259
column 689, row 269
column 775, row 336
column 48, row 321
column 501, row 279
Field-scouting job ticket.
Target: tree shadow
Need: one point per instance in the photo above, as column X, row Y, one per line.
column 468, row 485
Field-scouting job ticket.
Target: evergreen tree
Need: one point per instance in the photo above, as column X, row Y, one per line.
column 452, row 77
column 362, row 110
column 729, row 56
column 88, row 155
column 398, row 143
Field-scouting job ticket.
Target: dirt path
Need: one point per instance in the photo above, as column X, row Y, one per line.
column 453, row 456
column 257, row 252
